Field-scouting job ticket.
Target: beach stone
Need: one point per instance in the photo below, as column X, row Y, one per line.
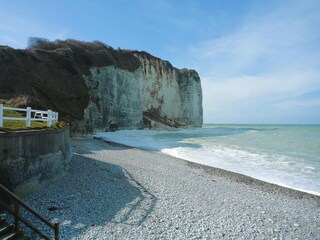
column 147, row 212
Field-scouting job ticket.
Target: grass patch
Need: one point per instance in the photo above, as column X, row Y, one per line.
column 21, row 125
column 9, row 125
column 10, row 113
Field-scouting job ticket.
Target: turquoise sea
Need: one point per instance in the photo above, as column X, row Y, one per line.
column 287, row 155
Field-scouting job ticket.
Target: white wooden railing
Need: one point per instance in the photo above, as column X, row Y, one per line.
column 52, row 117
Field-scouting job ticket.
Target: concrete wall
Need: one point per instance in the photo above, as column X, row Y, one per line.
column 32, row 159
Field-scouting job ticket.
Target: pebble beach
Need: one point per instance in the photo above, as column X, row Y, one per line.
column 118, row 192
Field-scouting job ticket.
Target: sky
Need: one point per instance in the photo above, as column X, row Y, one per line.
column 259, row 61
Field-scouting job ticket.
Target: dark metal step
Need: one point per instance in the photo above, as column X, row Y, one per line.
column 4, row 228
column 2, row 221
column 7, row 232
column 11, row 235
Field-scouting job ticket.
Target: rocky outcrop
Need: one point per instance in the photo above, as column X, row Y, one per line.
column 94, row 87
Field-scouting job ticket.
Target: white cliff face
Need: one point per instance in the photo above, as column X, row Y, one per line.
column 155, row 95
column 160, row 90
column 191, row 98
column 170, row 96
column 115, row 99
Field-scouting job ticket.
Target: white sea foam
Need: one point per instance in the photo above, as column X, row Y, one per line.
column 262, row 153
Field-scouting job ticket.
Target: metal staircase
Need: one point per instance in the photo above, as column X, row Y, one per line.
column 13, row 231
column 8, row 232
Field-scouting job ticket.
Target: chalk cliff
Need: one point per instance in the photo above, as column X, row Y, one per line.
column 171, row 97
column 95, row 87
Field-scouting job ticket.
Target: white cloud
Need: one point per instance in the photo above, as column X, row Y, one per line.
column 270, row 58
column 244, row 95
column 290, row 104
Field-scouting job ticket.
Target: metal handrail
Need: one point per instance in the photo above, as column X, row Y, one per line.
column 17, row 218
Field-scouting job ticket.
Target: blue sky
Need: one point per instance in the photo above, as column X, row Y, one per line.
column 259, row 61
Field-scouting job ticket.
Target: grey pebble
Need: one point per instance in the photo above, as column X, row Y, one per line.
column 117, row 192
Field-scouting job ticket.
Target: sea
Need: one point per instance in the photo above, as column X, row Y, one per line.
column 287, row 155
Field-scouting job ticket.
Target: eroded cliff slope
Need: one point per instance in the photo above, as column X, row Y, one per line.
column 95, row 87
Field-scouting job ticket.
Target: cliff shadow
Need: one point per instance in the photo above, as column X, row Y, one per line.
column 93, row 194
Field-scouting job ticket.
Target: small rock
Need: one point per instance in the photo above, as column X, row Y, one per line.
column 54, row 208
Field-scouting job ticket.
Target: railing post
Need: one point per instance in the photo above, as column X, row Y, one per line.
column 56, row 231
column 49, row 118
column 1, row 115
column 16, row 217
column 57, row 116
column 28, row 120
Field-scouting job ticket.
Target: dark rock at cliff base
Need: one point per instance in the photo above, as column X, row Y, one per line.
column 95, row 87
